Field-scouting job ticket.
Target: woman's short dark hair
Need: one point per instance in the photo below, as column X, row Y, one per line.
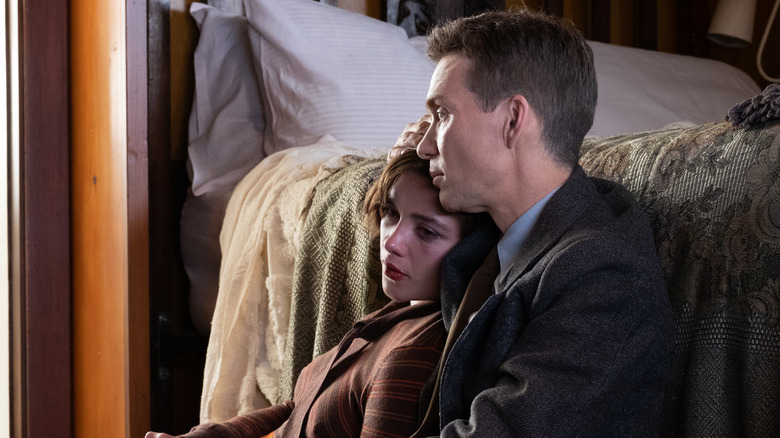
column 522, row 52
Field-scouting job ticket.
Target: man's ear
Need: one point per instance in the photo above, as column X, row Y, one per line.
column 519, row 118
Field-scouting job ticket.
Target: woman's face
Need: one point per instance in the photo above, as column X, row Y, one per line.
column 415, row 234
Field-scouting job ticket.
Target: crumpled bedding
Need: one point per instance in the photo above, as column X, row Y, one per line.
column 337, row 270
column 265, row 216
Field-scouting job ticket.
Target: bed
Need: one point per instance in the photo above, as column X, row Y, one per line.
column 295, row 104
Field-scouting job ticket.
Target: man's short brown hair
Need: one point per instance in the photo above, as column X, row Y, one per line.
column 522, row 52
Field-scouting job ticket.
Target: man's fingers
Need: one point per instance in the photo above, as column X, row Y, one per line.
column 411, row 136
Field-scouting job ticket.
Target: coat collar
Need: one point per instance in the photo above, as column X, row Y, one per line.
column 562, row 210
column 461, row 262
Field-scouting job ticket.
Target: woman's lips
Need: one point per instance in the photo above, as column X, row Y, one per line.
column 393, row 273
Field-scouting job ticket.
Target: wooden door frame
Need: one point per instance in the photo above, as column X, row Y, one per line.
column 42, row 390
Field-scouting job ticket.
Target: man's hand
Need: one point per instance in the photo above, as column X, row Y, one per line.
column 411, row 137
column 157, row 435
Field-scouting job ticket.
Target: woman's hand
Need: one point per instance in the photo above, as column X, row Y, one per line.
column 410, row 138
column 157, row 435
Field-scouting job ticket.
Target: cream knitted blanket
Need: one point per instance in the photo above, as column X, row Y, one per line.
column 259, row 239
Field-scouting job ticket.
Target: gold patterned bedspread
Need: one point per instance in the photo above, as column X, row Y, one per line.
column 712, row 193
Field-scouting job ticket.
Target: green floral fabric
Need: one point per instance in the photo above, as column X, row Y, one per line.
column 712, row 194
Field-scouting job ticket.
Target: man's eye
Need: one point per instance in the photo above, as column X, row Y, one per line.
column 441, row 114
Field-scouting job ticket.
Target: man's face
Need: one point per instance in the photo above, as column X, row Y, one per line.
column 463, row 143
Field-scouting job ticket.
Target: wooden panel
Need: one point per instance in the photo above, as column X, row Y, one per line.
column 700, row 22
column 554, row 7
column 105, row 401
column 44, row 283
column 577, row 12
column 531, row 4
column 622, row 24
column 683, row 27
column 183, row 26
column 600, row 20
column 177, row 352
column 136, row 328
column 646, row 35
column 667, row 25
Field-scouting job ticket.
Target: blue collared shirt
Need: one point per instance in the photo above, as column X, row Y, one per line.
column 512, row 241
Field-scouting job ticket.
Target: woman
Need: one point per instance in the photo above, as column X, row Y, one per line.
column 369, row 385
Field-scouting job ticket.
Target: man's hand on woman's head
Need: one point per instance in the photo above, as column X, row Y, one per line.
column 411, row 137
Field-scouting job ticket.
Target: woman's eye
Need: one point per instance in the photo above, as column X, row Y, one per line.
column 389, row 213
column 441, row 114
column 427, row 234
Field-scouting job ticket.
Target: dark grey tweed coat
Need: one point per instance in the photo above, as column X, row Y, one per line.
column 579, row 342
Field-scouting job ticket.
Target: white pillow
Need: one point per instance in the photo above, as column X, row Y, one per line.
column 643, row 90
column 226, row 123
column 225, row 143
column 325, row 70
column 200, row 225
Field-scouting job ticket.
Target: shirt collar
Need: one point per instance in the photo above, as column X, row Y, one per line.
column 512, row 241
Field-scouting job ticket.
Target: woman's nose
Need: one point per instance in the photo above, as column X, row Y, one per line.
column 396, row 242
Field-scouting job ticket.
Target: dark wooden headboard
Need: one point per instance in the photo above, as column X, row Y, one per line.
column 672, row 26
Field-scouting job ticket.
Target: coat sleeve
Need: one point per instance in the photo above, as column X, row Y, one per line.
column 254, row 424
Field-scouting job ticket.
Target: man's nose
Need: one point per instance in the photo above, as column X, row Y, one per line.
column 427, row 148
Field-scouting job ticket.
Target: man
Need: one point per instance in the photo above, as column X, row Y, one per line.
column 575, row 336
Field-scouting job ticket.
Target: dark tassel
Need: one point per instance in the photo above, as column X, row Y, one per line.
column 761, row 108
